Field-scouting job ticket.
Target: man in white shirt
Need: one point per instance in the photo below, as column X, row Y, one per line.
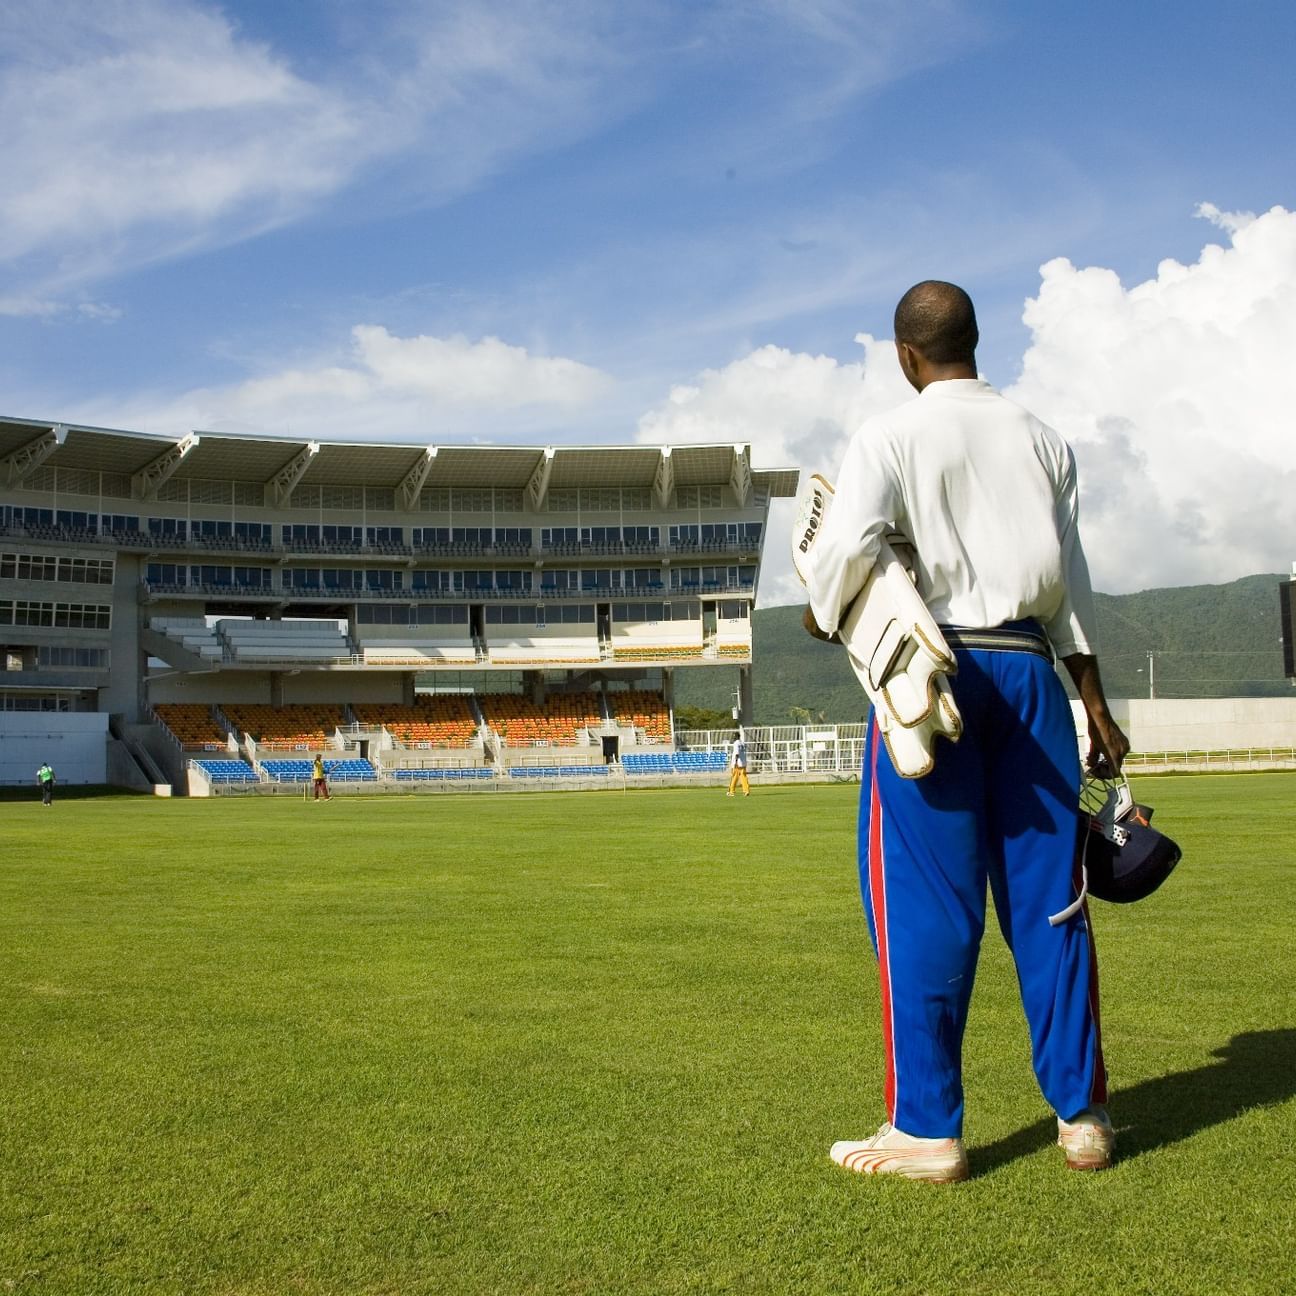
column 738, row 767
column 987, row 495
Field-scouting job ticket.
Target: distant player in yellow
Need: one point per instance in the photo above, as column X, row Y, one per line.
column 738, row 766
column 320, row 780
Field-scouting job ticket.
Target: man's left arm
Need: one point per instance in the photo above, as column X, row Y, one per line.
column 865, row 502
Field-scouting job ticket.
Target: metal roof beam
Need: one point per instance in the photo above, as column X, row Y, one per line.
column 537, row 487
column 280, row 487
column 664, row 478
column 145, row 483
column 27, row 458
column 740, row 478
column 411, row 485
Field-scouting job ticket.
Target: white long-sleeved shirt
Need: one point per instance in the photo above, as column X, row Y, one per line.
column 987, row 495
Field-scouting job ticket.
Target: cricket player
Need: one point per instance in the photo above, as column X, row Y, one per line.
column 986, row 493
column 738, row 766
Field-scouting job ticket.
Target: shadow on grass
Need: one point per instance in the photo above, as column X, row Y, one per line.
column 68, row 792
column 1255, row 1069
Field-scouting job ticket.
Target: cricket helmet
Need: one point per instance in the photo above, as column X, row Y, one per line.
column 1124, row 857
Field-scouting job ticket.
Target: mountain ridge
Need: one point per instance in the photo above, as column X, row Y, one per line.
column 1193, row 640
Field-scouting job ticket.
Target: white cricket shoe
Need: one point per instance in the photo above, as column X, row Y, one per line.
column 1088, row 1140
column 892, row 1151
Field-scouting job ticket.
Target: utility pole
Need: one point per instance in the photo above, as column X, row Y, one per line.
column 1151, row 675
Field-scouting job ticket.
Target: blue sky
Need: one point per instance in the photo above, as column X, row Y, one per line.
column 609, row 221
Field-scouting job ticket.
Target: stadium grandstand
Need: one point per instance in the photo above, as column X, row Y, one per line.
column 209, row 612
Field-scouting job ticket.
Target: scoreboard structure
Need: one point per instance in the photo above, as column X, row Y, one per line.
column 1286, row 599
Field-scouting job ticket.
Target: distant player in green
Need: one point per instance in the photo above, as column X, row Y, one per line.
column 45, row 780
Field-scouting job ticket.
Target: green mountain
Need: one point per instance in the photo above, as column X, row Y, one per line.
column 1204, row 641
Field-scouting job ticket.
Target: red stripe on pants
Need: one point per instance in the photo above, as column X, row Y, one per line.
column 877, row 892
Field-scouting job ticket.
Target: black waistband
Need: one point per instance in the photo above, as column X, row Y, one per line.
column 999, row 639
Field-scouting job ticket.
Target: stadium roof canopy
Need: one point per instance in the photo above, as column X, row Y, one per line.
column 27, row 443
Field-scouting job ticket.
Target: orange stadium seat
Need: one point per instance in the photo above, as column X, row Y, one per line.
column 301, row 723
column 191, row 724
column 442, row 721
column 523, row 724
column 644, row 709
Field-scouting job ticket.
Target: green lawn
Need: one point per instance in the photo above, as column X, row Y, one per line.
column 599, row 1043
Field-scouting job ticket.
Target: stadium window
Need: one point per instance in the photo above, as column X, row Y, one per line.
column 340, row 535
column 29, row 613
column 751, row 531
column 435, row 500
column 249, row 494
column 115, row 485
column 252, row 577
column 342, row 497
column 210, row 574
column 163, row 526
column 508, row 500
column 118, row 522
column 471, row 501
column 211, row 492
column 683, row 534
column 539, row 616
column 513, row 536
column 381, row 497
column 342, row 578
column 6, row 612
column 305, row 497
column 157, row 573
column 37, row 567
column 385, row 535
column 563, row 501
column 636, row 499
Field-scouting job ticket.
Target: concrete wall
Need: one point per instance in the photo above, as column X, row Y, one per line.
column 75, row 743
column 1202, row 724
column 305, row 686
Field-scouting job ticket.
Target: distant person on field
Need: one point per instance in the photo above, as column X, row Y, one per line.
column 738, row 766
column 45, row 781
column 320, row 780
column 986, row 494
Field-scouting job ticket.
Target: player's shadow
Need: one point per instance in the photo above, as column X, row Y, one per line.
column 1255, row 1069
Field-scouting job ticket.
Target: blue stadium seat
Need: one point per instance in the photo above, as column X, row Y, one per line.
column 228, row 771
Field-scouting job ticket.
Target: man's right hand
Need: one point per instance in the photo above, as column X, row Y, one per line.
column 1107, row 742
column 813, row 629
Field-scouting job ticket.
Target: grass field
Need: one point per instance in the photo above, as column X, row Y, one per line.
column 600, row 1043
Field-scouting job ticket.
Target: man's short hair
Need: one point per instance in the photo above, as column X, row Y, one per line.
column 938, row 319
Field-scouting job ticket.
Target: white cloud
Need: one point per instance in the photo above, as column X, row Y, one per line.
column 386, row 388
column 795, row 410
column 1177, row 395
column 141, row 130
column 133, row 129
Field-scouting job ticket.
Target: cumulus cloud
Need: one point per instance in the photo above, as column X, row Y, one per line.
column 796, row 411
column 1176, row 394
column 386, row 388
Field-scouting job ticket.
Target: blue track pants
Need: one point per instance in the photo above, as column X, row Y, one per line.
column 1000, row 805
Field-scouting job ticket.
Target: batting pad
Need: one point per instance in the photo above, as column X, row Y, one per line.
column 892, row 642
